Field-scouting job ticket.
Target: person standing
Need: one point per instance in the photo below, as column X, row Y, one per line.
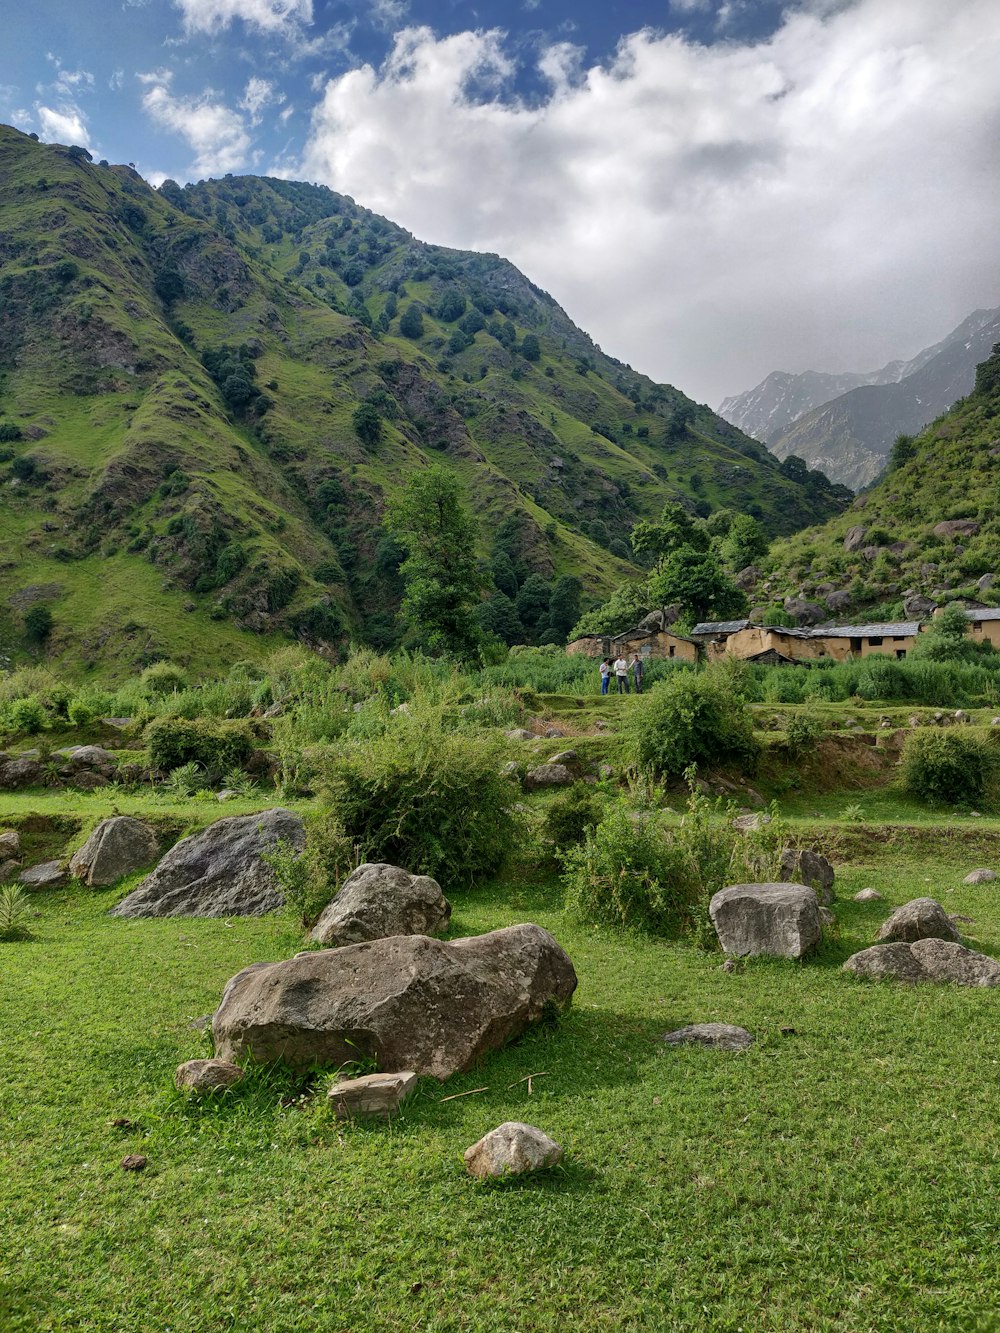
column 621, row 674
column 637, row 672
column 605, row 675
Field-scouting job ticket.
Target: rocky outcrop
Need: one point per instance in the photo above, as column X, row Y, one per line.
column 380, row 900
column 773, row 920
column 916, row 604
column 921, row 919
column 855, row 538
column 803, row 612
column 118, row 846
column 925, row 960
column 804, row 865
column 512, row 1149
column 220, row 871
column 409, row 1002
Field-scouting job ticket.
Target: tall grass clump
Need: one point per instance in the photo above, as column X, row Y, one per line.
column 15, row 909
column 425, row 797
column 635, row 872
column 310, row 879
column 692, row 718
column 953, row 767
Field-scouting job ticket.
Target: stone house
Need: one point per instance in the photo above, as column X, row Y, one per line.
column 841, row 642
column 984, row 625
column 646, row 643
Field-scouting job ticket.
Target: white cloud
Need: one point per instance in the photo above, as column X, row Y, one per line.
column 217, row 134
column 825, row 198
column 71, row 82
column 387, row 14
column 265, row 15
column 258, row 94
column 65, row 124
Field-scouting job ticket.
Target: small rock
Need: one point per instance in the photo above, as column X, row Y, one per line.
column 512, row 1149
column 201, row 1076
column 10, row 844
column 379, row 1095
column 48, row 875
column 565, row 757
column 723, row 1035
column 980, row 877
column 804, row 865
column 19, row 773
column 920, row 919
column 867, row 896
column 8, row 869
column 134, row 1162
column 601, row 725
column 88, row 780
column 750, row 822
column 961, row 716
column 519, row 734
column 826, row 917
column 226, row 794
column 511, row 769
column 553, row 733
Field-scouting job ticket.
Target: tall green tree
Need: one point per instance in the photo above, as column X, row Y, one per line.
column 441, row 578
column 697, row 580
column 675, row 528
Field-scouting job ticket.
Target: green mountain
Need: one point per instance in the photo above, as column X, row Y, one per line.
column 927, row 533
column 206, row 394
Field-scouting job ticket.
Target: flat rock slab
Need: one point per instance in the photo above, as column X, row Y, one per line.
column 804, row 865
column 380, row 1095
column 380, row 900
column 117, row 847
column 920, row 919
column 47, row 875
column 408, row 1002
column 548, row 775
column 767, row 920
column 512, row 1149
column 973, row 877
column 207, row 1076
column 925, row 960
column 220, row 871
column 722, row 1035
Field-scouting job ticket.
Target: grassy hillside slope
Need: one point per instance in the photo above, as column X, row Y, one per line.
column 951, row 471
column 206, row 394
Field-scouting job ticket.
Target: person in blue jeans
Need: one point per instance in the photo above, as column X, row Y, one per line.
column 605, row 675
column 621, row 674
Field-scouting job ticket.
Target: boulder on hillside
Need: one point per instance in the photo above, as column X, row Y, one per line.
column 512, row 1149
column 925, row 960
column 117, row 847
column 548, row 775
column 838, row 601
column 220, row 871
column 409, row 1002
column 380, row 900
column 803, row 612
column 18, row 773
column 920, row 919
column 804, row 865
column 855, row 538
column 93, row 756
column 916, row 604
column 956, row 527
column 519, row 734
column 773, row 920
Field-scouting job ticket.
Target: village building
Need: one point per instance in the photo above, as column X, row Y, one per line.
column 645, row 643
column 892, row 638
column 984, row 625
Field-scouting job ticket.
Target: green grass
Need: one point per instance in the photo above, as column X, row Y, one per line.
column 835, row 1177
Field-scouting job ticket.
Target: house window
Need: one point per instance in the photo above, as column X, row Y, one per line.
column 875, row 643
column 855, row 645
column 900, row 654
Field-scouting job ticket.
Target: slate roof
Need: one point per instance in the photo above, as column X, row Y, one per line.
column 985, row 613
column 898, row 629
column 707, row 627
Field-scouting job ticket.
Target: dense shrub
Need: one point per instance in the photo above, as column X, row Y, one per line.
column 162, row 678
column 309, row 880
column 216, row 745
column 24, row 717
column 692, row 718
column 431, row 800
column 569, row 816
column 950, row 766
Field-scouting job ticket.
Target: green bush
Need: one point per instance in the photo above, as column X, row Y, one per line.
column 425, row 798
column 80, row 712
column 803, row 730
column 310, row 879
column 162, row 678
column 24, row 717
column 948, row 766
column 570, row 815
column 693, row 718
column 216, row 746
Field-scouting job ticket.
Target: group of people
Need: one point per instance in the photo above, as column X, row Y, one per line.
column 621, row 669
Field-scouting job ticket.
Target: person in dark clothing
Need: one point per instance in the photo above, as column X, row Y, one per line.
column 638, row 670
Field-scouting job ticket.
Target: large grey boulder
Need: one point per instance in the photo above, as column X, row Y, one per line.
column 512, row 1149
column 921, row 919
column 408, row 1002
column 117, row 847
column 916, row 604
column 956, row 527
column 773, row 920
column 380, row 900
column 548, row 775
column 18, row 773
column 220, row 871
column 804, row 865
column 855, row 538
column 925, row 960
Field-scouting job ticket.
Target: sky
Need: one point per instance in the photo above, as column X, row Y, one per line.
column 713, row 189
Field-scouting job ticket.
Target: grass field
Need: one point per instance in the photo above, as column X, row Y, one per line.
column 842, row 1174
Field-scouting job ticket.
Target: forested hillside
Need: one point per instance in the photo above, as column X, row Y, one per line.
column 206, row 395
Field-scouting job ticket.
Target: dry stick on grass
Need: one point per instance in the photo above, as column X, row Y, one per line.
column 453, row 1095
column 527, row 1079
